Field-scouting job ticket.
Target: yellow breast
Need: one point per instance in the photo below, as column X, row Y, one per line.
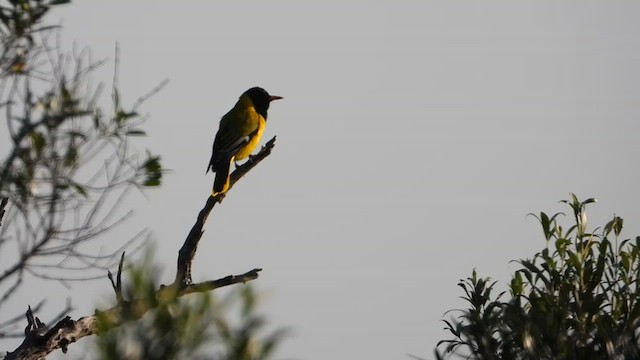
column 255, row 120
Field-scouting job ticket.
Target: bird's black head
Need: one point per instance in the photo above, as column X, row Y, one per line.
column 261, row 99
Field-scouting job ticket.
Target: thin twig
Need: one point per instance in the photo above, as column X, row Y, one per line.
column 3, row 204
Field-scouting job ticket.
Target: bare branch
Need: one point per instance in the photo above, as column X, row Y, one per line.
column 117, row 284
column 3, row 204
column 61, row 198
column 149, row 94
column 40, row 341
column 9, row 323
column 188, row 249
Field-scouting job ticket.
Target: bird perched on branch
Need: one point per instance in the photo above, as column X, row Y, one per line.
column 239, row 133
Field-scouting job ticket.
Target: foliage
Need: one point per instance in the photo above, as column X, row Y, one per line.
column 578, row 298
column 70, row 164
column 189, row 328
column 70, row 159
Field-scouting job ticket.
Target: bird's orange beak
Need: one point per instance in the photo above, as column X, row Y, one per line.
column 275, row 97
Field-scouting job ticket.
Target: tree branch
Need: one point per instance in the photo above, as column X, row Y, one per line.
column 188, row 250
column 40, row 341
column 3, row 204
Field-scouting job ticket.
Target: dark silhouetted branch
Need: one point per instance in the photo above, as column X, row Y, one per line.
column 3, row 204
column 40, row 340
column 117, row 284
column 188, row 250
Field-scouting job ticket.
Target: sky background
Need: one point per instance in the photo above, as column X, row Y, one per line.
column 413, row 139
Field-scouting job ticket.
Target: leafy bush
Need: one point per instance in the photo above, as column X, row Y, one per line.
column 578, row 298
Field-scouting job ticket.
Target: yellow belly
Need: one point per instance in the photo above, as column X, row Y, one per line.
column 253, row 142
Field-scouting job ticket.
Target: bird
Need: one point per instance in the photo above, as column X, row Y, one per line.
column 239, row 133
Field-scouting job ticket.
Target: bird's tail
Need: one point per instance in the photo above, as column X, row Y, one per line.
column 221, row 181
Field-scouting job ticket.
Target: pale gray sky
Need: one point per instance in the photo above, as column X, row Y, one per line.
column 414, row 138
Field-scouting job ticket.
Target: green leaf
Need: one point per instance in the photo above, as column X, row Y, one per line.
column 71, row 157
column 122, row 116
column 136, row 132
column 116, row 100
column 625, row 261
column 152, row 171
column 38, row 141
column 546, row 225
column 517, row 284
column 574, row 200
column 561, row 246
column 79, row 188
column 97, row 118
column 617, row 227
column 574, row 261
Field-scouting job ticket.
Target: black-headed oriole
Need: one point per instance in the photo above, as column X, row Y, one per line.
column 239, row 133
